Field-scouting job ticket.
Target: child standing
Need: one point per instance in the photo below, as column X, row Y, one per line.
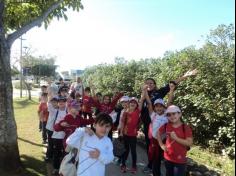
column 129, row 131
column 52, row 110
column 43, row 115
column 96, row 151
column 158, row 118
column 178, row 138
column 58, row 149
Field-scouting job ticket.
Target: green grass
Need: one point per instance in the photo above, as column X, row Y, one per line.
column 213, row 161
column 29, row 138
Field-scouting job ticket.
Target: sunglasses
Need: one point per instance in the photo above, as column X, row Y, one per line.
column 170, row 114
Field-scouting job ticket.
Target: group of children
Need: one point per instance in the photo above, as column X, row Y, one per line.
column 67, row 113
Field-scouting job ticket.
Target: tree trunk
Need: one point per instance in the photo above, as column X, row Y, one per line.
column 9, row 152
column 28, row 86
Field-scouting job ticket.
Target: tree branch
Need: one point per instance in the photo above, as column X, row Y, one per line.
column 37, row 22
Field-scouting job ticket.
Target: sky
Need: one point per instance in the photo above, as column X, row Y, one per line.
column 133, row 29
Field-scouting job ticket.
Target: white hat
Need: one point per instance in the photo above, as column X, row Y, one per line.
column 124, row 98
column 159, row 101
column 133, row 99
column 173, row 108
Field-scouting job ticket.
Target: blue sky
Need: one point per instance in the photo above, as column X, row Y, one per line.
column 133, row 29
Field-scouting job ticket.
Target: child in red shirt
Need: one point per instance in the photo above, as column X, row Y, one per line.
column 88, row 103
column 72, row 121
column 43, row 115
column 178, row 139
column 129, row 131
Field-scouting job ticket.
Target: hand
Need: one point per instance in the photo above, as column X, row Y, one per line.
column 89, row 131
column 164, row 148
column 191, row 73
column 65, row 124
column 145, row 87
column 173, row 135
column 94, row 154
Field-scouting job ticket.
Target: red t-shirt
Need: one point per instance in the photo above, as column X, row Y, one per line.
column 44, row 109
column 131, row 121
column 88, row 103
column 176, row 152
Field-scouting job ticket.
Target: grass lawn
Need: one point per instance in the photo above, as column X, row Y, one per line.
column 29, row 138
column 213, row 161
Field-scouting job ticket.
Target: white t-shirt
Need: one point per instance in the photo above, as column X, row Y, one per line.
column 87, row 165
column 78, row 87
column 157, row 122
column 51, row 117
column 60, row 116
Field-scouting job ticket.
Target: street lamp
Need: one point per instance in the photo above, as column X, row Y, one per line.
column 21, row 76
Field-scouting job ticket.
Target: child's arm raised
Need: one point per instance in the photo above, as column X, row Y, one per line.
column 171, row 94
column 143, row 96
column 186, row 75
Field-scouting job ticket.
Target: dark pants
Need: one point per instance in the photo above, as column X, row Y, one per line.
column 49, row 153
column 147, row 141
column 175, row 169
column 155, row 155
column 44, row 131
column 58, row 152
column 130, row 144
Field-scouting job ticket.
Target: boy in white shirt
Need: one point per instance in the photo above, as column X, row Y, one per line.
column 57, row 137
column 96, row 150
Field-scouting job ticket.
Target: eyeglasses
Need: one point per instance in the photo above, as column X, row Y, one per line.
column 170, row 114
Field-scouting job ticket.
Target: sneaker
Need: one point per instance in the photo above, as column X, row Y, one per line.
column 133, row 170
column 123, row 169
column 147, row 170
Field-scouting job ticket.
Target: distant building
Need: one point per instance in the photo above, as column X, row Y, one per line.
column 76, row 73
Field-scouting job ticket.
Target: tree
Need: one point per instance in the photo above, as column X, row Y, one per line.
column 17, row 18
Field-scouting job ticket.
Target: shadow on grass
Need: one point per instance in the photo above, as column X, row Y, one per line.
column 30, row 142
column 30, row 167
column 22, row 103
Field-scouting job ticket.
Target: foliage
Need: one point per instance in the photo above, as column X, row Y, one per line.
column 19, row 14
column 207, row 100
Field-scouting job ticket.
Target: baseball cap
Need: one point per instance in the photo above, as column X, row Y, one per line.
column 159, row 101
column 133, row 99
column 172, row 108
column 55, row 98
column 124, row 98
column 74, row 104
column 62, row 98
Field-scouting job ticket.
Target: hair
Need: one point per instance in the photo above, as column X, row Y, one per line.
column 106, row 95
column 87, row 89
column 44, row 94
column 99, row 94
column 44, row 86
column 103, row 119
column 151, row 79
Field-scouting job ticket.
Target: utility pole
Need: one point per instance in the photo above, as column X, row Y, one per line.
column 21, row 74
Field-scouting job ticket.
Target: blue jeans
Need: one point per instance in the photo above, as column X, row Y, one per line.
column 175, row 169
